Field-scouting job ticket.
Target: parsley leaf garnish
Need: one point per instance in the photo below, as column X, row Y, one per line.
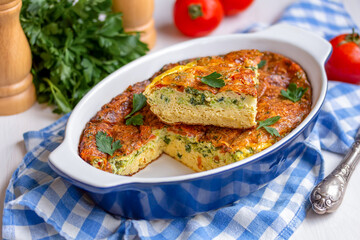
column 135, row 120
column 261, row 63
column 293, row 92
column 139, row 101
column 272, row 131
column 268, row 122
column 213, row 80
column 105, row 143
column 73, row 49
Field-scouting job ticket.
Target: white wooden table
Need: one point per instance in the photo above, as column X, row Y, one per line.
column 344, row 224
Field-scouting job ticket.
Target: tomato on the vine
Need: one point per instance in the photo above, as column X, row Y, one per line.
column 232, row 7
column 344, row 62
column 197, row 18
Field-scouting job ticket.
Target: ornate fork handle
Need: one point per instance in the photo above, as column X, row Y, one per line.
column 327, row 196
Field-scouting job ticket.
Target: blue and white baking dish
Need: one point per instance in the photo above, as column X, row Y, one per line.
column 165, row 188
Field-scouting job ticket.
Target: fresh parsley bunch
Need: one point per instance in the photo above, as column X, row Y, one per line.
column 73, row 49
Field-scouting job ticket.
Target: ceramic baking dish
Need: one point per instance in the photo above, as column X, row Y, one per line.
column 166, row 189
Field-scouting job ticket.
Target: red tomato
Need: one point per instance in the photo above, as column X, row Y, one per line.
column 344, row 62
column 232, row 7
column 197, row 18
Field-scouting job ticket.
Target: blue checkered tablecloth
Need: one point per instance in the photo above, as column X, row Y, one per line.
column 41, row 205
column 326, row 18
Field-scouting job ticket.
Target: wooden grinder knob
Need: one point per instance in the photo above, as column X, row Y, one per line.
column 17, row 92
column 138, row 16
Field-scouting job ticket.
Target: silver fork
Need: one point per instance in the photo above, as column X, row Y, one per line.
column 327, row 196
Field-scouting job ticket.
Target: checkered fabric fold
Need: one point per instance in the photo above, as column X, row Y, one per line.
column 326, row 18
column 41, row 205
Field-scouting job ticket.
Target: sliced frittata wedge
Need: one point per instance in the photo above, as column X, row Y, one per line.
column 219, row 91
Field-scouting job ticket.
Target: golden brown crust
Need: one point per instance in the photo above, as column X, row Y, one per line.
column 235, row 68
column 276, row 75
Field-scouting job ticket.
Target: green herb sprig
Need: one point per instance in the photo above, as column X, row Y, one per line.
column 135, row 120
column 266, row 123
column 293, row 92
column 139, row 101
column 213, row 80
column 261, row 64
column 167, row 140
column 105, row 143
column 73, row 49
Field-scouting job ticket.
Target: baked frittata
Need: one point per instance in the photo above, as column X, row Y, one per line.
column 179, row 94
column 198, row 147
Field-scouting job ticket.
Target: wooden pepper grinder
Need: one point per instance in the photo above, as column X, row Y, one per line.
column 17, row 92
column 137, row 16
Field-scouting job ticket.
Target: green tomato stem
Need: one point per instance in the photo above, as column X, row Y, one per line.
column 195, row 11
